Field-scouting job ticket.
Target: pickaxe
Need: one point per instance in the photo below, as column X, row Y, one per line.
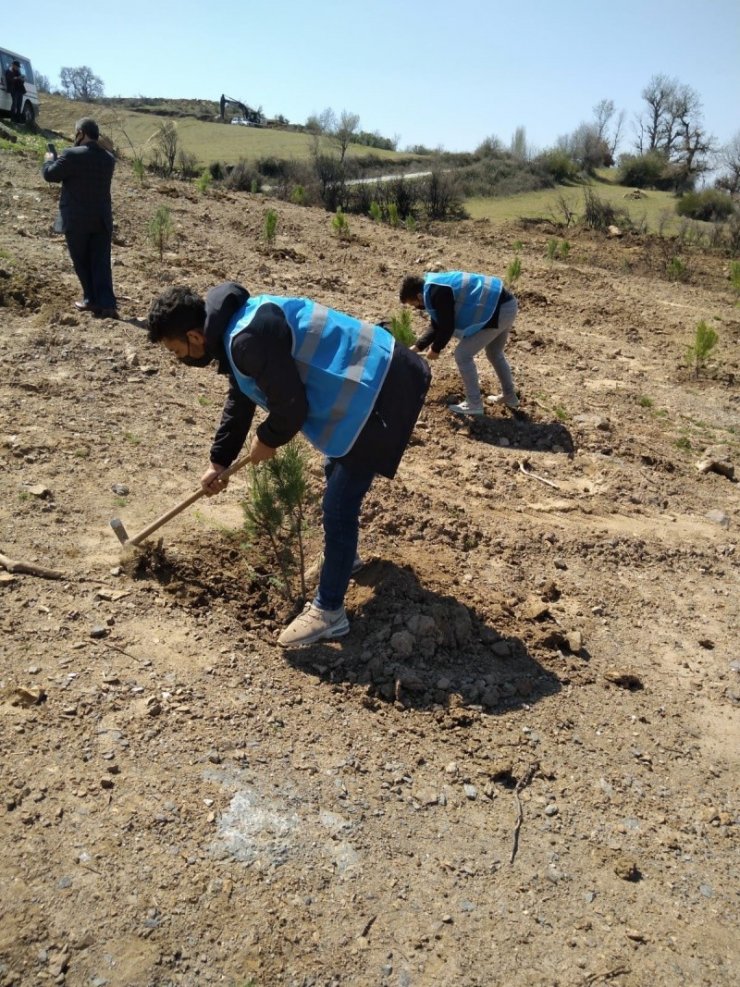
column 121, row 533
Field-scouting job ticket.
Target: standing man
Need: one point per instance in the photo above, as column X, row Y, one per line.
column 86, row 171
column 347, row 385
column 16, row 88
column 480, row 312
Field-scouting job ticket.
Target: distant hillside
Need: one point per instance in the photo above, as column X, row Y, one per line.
column 132, row 124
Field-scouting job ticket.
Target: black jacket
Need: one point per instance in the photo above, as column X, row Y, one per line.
column 440, row 332
column 85, row 173
column 263, row 351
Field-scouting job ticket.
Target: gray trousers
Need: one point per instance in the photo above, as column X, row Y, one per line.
column 493, row 342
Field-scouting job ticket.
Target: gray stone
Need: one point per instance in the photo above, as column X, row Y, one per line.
column 402, row 643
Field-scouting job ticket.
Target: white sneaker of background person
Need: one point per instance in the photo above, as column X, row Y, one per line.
column 467, row 408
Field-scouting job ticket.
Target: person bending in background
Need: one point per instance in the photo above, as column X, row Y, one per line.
column 480, row 312
column 345, row 384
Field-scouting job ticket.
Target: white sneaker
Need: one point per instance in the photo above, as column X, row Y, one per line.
column 466, row 408
column 314, row 625
column 512, row 403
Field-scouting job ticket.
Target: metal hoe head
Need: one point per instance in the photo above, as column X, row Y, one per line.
column 121, row 533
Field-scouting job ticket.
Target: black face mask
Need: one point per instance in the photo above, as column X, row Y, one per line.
column 196, row 361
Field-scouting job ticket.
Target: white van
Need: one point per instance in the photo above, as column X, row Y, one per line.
column 30, row 108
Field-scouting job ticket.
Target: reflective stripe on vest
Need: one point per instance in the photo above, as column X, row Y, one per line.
column 341, row 361
column 476, row 297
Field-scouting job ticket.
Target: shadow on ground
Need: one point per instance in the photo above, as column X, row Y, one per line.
column 424, row 649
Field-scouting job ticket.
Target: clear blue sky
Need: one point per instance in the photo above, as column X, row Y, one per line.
column 431, row 72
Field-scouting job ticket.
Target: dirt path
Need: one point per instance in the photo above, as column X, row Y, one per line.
column 540, row 671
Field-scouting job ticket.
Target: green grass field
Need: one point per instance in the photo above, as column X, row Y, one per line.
column 133, row 133
column 656, row 209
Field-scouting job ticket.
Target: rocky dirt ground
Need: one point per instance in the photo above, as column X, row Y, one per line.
column 520, row 767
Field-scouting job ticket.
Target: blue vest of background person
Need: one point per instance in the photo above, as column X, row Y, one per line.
column 342, row 363
column 476, row 297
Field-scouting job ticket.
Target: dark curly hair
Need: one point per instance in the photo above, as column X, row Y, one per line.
column 174, row 312
column 411, row 286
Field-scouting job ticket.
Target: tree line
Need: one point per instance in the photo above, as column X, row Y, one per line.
column 671, row 147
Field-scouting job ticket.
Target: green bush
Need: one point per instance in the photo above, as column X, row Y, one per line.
column 298, row 196
column 677, row 270
column 241, row 177
column 645, row 171
column 204, row 182
column 710, row 205
column 558, row 164
column 376, row 213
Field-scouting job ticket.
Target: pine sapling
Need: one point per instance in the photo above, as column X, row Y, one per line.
column 400, row 328
column 275, row 510
column 161, row 229
column 340, row 225
column 270, row 227
column 513, row 271
column 705, row 339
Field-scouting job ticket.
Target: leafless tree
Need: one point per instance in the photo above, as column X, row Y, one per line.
column 672, row 125
column 608, row 128
column 165, row 148
column 729, row 160
column 344, row 131
column 519, row 147
column 42, row 82
column 81, row 83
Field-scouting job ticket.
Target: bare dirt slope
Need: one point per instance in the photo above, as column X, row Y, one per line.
column 520, row 767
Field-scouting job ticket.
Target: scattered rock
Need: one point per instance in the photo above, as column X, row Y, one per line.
column 624, row 678
column 402, row 642
column 717, row 459
column 627, row 869
column 719, row 517
column 40, row 491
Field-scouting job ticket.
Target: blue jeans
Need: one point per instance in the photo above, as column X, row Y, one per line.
column 345, row 490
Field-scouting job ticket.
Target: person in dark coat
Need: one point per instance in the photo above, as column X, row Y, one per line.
column 16, row 87
column 347, row 385
column 86, row 171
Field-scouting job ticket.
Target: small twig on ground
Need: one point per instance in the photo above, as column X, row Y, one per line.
column 12, row 565
column 534, row 476
column 618, row 971
column 368, row 925
column 520, row 786
column 114, row 647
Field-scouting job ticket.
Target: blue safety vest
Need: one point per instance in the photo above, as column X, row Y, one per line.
column 476, row 297
column 342, row 362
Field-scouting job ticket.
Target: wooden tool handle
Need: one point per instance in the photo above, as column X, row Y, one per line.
column 173, row 511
